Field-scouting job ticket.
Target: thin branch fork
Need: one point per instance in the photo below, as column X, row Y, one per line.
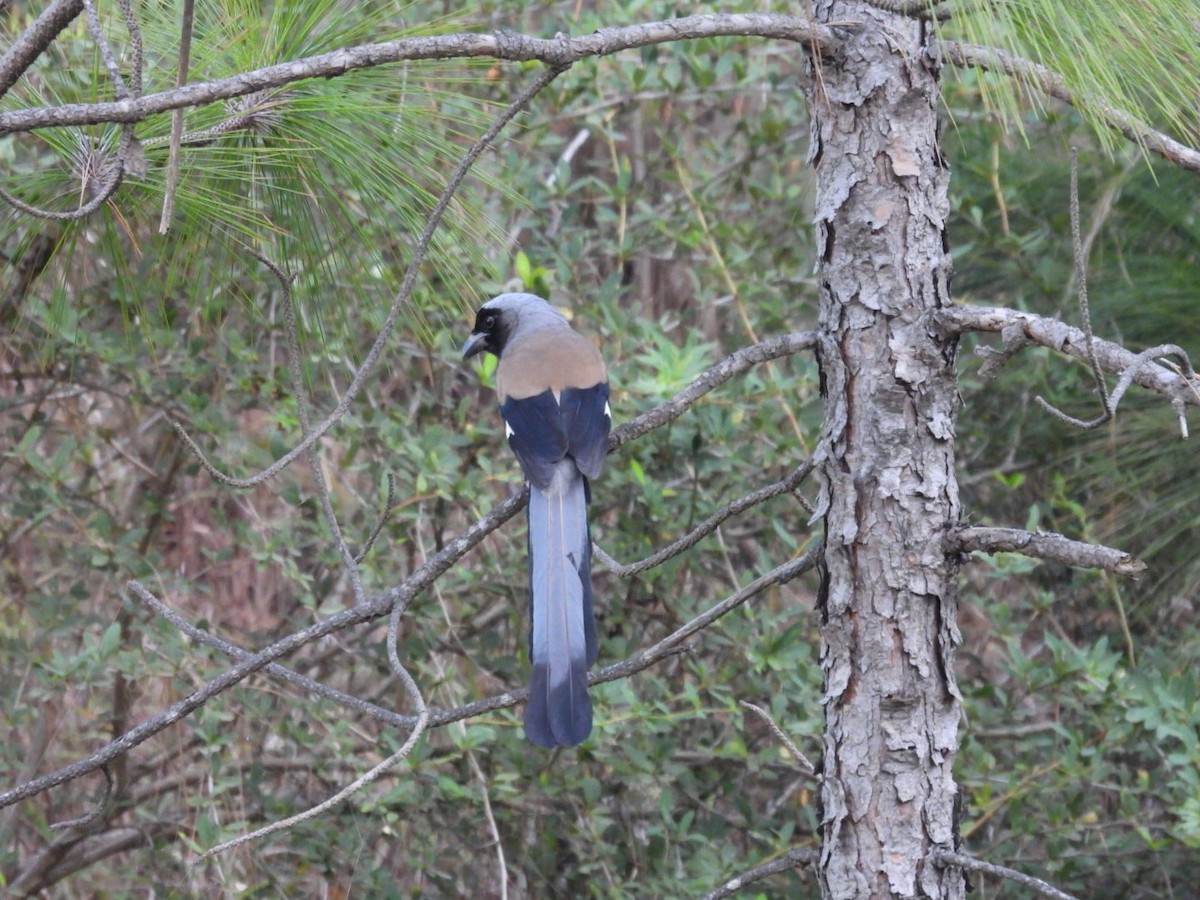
column 707, row 527
column 1045, row 545
column 1018, row 328
column 558, row 52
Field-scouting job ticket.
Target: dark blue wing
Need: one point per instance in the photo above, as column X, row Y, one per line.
column 536, row 435
column 586, row 421
column 542, row 431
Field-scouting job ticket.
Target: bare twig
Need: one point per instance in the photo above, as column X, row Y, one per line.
column 185, row 55
column 373, row 774
column 406, row 287
column 136, row 48
column 399, row 604
column 1050, row 82
column 961, row 860
column 555, row 52
column 33, row 43
column 296, row 374
column 781, row 736
column 1107, row 409
column 106, row 54
column 384, row 517
column 1048, row 546
column 734, row 364
column 1013, row 732
column 501, row 862
column 779, row 575
column 796, row 858
column 708, row 526
column 208, row 639
column 97, row 813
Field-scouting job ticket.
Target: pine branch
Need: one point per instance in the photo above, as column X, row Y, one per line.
column 1049, row 82
column 557, row 52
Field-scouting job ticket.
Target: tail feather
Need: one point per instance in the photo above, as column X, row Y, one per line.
column 563, row 640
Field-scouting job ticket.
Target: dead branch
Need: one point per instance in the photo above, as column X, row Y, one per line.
column 1048, row 546
column 945, row 858
column 1019, row 329
column 796, row 858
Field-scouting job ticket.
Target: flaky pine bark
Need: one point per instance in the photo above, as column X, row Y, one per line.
column 887, row 460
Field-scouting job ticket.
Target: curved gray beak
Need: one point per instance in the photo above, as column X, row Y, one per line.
column 475, row 344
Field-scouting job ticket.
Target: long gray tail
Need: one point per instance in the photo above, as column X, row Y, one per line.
column 563, row 640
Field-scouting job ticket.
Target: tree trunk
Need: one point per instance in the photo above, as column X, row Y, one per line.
column 888, row 598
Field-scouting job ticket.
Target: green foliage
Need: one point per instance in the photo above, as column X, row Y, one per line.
column 1071, row 752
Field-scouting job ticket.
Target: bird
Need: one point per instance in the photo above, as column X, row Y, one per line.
column 552, row 386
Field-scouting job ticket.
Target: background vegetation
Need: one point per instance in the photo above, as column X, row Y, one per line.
column 662, row 196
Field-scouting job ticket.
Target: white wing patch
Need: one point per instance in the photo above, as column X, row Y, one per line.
column 607, row 411
column 508, row 431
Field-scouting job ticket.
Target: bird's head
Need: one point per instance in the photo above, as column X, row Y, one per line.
column 503, row 318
